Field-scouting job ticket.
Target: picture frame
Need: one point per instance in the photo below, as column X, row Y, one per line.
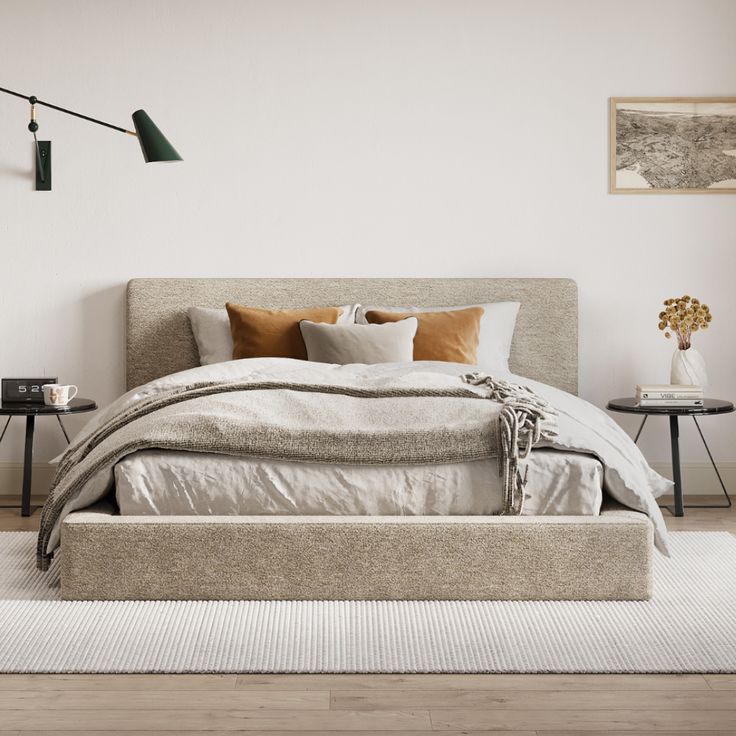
column 672, row 145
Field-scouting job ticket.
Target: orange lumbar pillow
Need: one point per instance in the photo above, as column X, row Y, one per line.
column 448, row 336
column 273, row 333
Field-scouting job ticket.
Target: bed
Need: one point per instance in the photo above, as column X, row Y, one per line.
column 351, row 556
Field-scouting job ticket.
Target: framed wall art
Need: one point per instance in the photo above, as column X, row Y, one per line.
column 677, row 145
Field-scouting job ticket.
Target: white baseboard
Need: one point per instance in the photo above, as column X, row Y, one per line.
column 11, row 479
column 698, row 478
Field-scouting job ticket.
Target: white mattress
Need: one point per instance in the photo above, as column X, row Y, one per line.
column 162, row 482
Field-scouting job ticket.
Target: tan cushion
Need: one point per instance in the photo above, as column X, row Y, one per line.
column 272, row 333
column 369, row 344
column 448, row 336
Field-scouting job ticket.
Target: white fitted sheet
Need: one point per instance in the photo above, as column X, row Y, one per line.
column 162, row 482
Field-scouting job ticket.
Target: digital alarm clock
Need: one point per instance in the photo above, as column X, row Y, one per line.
column 24, row 390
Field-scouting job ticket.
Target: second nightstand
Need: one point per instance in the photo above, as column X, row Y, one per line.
column 710, row 406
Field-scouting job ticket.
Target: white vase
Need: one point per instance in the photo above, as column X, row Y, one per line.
column 688, row 368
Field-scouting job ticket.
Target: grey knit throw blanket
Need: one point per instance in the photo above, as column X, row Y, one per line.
column 394, row 422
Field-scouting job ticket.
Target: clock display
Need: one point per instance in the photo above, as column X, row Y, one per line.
column 24, row 390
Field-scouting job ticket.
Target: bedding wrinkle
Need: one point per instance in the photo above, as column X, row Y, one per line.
column 570, row 483
column 273, row 487
column 180, row 487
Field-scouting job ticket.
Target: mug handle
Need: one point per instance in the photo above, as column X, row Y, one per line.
column 72, row 395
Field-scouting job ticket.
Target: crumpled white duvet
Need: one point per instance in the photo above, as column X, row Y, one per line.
column 582, row 427
column 169, row 483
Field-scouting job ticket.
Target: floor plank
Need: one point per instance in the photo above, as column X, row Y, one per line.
column 653, row 721
column 473, row 682
column 12, row 521
column 190, row 700
column 279, row 733
column 377, row 700
column 212, row 720
column 118, row 682
column 721, row 682
column 615, row 733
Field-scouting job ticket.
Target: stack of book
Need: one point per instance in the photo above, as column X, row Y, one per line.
column 665, row 395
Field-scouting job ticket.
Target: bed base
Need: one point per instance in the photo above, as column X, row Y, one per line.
column 110, row 557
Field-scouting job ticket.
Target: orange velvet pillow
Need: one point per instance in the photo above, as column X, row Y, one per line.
column 273, row 333
column 448, row 336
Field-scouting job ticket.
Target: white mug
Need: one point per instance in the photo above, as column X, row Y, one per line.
column 54, row 394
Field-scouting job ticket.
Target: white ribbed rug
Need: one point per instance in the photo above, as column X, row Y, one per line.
column 689, row 626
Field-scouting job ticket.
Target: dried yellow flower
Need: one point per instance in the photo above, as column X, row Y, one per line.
column 681, row 317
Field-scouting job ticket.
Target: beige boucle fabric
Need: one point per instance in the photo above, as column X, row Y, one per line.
column 160, row 339
column 608, row 557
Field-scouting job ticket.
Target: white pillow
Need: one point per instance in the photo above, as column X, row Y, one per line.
column 367, row 344
column 496, row 330
column 211, row 328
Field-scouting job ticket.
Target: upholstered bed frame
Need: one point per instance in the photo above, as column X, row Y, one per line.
column 607, row 557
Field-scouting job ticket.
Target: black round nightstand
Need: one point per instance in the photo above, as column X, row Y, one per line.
column 30, row 412
column 710, row 406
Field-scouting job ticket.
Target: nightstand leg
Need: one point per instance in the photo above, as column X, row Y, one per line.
column 728, row 503
column 641, row 426
column 28, row 466
column 675, row 440
column 63, row 429
column 5, row 428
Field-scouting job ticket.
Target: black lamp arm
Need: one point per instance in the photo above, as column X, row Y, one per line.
column 36, row 101
column 39, row 160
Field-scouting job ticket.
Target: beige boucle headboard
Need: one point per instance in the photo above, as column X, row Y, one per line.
column 160, row 340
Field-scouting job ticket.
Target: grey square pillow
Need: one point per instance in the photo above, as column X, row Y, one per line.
column 343, row 344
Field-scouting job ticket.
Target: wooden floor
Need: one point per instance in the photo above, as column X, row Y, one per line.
column 523, row 705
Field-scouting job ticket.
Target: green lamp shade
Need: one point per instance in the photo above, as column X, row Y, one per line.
column 153, row 142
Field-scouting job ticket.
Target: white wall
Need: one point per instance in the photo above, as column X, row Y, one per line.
column 340, row 138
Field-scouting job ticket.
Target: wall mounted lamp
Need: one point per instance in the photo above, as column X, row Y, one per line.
column 153, row 142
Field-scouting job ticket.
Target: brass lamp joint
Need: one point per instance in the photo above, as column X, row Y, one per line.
column 33, row 125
